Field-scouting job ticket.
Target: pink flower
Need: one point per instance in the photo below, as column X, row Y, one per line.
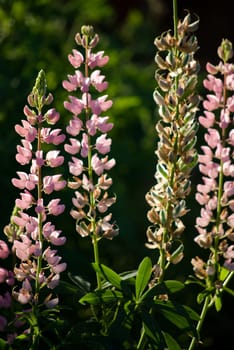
column 77, row 81
column 71, row 84
column 4, row 250
column 3, row 274
column 24, row 296
column 51, row 303
column 59, row 268
column 21, row 219
column 97, row 81
column 52, row 116
column 97, row 59
column 23, row 249
column 75, row 106
column 74, row 146
column 211, row 103
column 76, row 166
column 52, row 136
column 205, row 218
column 74, row 127
column 84, row 145
column 39, row 159
column 90, row 189
column 53, row 183
column 53, row 159
column 54, row 208
column 53, row 282
column 26, row 200
column 213, row 84
column 31, row 115
column 24, row 154
column 103, row 144
column 99, row 165
column 52, row 235
column 100, row 105
column 5, row 300
column 98, row 123
column 54, row 261
column 208, row 120
column 75, row 58
column 79, row 201
column 230, row 220
column 25, row 181
column 212, row 138
column 202, row 198
column 210, row 169
column 3, row 323
column 27, row 131
column 224, row 119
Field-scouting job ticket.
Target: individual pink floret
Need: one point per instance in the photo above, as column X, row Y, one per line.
column 76, row 58
column 53, row 183
column 4, row 250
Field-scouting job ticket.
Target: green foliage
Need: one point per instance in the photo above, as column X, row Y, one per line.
column 128, row 303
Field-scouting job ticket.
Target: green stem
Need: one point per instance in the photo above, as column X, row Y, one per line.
column 200, row 322
column 142, row 341
column 40, row 235
column 96, row 259
column 175, row 18
column 228, row 278
column 162, row 257
column 35, row 329
column 206, row 306
column 90, row 173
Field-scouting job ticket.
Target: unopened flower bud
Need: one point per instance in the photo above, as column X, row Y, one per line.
column 225, row 51
column 87, row 30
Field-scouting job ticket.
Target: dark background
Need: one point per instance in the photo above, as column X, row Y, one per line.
column 38, row 35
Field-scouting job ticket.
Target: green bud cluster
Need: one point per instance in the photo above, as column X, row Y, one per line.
column 177, row 101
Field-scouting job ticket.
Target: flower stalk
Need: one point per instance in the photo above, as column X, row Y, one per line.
column 89, row 145
column 216, row 222
column 176, row 97
column 33, row 236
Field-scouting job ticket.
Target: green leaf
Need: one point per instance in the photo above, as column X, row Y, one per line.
column 101, row 296
column 151, row 328
column 218, row 302
column 176, row 314
column 228, row 290
column 128, row 274
column 167, row 287
column 193, row 315
column 194, row 280
column 108, row 274
column 223, row 273
column 3, row 344
column 22, row 337
column 201, row 296
column 161, row 168
column 143, row 276
column 171, row 342
column 173, row 286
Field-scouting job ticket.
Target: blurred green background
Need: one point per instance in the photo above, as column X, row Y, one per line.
column 39, row 34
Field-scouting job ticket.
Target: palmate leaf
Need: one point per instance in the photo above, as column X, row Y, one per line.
column 143, row 276
column 101, row 296
column 108, row 274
